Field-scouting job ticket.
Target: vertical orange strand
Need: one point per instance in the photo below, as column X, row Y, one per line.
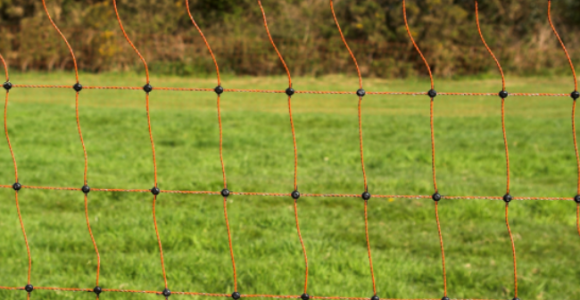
column 562, row 43
column 415, row 45
column 129, row 40
column 205, row 41
column 294, row 141
column 507, row 223
column 5, row 67
column 25, row 237
column 442, row 248
column 578, row 218
column 81, row 137
column 151, row 137
column 230, row 243
column 8, row 137
column 433, row 168
column 274, row 44
column 360, row 137
column 487, row 47
column 159, row 242
column 65, row 40
column 575, row 144
column 221, row 142
column 369, row 248
column 92, row 238
column 346, row 45
column 505, row 142
column 301, row 243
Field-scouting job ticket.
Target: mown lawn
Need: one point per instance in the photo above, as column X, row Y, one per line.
column 259, row 157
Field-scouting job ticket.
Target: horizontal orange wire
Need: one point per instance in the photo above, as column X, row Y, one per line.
column 210, row 294
column 282, row 91
column 289, row 194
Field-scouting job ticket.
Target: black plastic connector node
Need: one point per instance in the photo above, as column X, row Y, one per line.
column 225, row 192
column 361, row 93
column 295, row 195
column 147, row 88
column 305, row 296
column 437, row 197
column 7, row 85
column 575, row 95
column 366, row 196
column 236, row 295
column 432, row 93
column 86, row 189
column 516, row 298
column 97, row 290
column 290, row 91
column 375, row 297
column 155, row 191
column 218, row 90
column 17, row 186
column 77, row 87
column 507, row 198
column 29, row 288
column 577, row 199
column 166, row 293
column 445, row 298
column 503, row 94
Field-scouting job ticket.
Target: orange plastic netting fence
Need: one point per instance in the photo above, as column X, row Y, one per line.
column 295, row 194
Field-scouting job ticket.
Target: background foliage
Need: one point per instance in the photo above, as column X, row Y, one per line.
column 517, row 30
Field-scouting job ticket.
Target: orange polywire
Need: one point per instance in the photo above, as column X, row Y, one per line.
column 159, row 241
column 302, row 244
column 274, row 44
column 8, row 137
column 442, row 248
column 230, row 244
column 215, row 294
column 64, row 38
column 129, row 40
column 487, row 47
column 5, row 67
column 92, row 238
column 177, row 89
column 415, row 45
column 433, row 166
column 578, row 218
column 360, row 83
column 329, row 195
column 562, row 44
column 369, row 247
column 217, row 69
column 507, row 223
column 507, row 156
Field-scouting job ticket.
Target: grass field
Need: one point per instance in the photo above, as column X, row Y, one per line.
column 259, row 157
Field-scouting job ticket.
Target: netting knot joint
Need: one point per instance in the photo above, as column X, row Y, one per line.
column 17, row 186
column 236, row 295
column 7, row 85
column 305, row 296
column 436, row 197
column 97, row 290
column 77, row 87
column 361, row 92
column 366, row 196
column 225, row 193
column 147, row 88
column 166, row 293
column 155, row 191
column 507, row 198
column 295, row 195
column 445, row 298
column 575, row 95
column 432, row 93
column 29, row 288
column 218, row 90
column 503, row 94
column 86, row 189
column 375, row 297
column 577, row 199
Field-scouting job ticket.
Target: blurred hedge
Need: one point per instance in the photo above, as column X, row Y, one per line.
column 517, row 30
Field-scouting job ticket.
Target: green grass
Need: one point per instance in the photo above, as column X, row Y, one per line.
column 259, row 157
